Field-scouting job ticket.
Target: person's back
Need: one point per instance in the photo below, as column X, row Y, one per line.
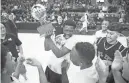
column 100, row 33
column 81, row 69
column 76, row 75
column 103, row 31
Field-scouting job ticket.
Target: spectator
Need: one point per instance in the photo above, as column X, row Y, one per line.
column 59, row 25
column 85, row 22
column 122, row 17
column 12, row 16
column 103, row 31
column 9, row 25
column 101, row 15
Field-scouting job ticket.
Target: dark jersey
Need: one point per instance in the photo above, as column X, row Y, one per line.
column 11, row 41
column 11, row 27
column 125, row 51
column 106, row 50
column 58, row 29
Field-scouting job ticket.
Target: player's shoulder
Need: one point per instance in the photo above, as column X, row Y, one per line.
column 120, row 46
column 122, row 40
column 72, row 39
column 75, row 37
column 101, row 39
column 60, row 35
column 10, row 35
column 98, row 31
column 125, row 51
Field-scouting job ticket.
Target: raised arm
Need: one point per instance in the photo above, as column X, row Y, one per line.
column 64, row 68
column 58, row 52
column 18, row 67
column 42, row 76
column 46, row 45
column 117, row 66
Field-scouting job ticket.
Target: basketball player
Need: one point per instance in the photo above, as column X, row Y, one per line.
column 103, row 32
column 68, row 46
column 53, row 70
column 81, row 68
column 107, row 46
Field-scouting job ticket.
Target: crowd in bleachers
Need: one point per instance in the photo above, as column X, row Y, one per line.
column 21, row 9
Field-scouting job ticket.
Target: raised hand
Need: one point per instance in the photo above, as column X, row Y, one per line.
column 48, row 34
column 102, row 69
column 118, row 61
column 33, row 62
column 21, row 59
column 126, row 67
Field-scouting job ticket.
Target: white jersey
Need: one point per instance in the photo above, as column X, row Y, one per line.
column 71, row 42
column 100, row 33
column 55, row 63
column 76, row 75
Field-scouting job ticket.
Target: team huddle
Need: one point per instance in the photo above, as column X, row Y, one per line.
column 88, row 60
column 101, row 58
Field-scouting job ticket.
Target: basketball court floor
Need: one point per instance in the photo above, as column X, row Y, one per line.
column 33, row 47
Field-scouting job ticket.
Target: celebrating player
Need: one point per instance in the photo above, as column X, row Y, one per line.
column 107, row 46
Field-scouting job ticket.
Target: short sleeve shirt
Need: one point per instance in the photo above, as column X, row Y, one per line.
column 76, row 75
column 58, row 29
column 11, row 41
column 99, row 34
column 71, row 42
column 54, row 63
